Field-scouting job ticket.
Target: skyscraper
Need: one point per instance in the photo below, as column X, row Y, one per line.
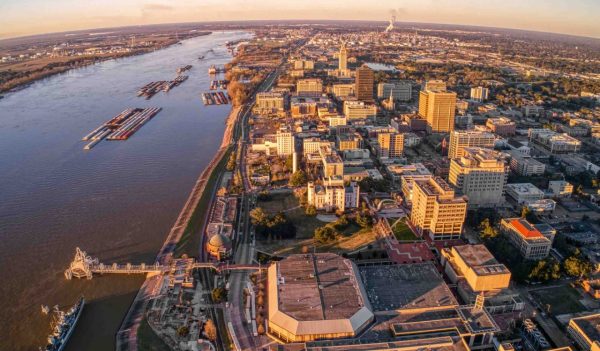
column 343, row 63
column 438, row 107
column 364, row 83
column 391, row 145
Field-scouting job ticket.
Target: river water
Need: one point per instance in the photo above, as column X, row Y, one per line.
column 116, row 201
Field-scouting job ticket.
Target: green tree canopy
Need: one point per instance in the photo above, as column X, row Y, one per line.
column 298, row 178
column 325, row 234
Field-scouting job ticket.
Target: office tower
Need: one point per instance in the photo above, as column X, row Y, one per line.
column 438, row 108
column 364, row 83
column 343, row 58
column 436, row 210
column 481, row 175
column 391, row 145
column 479, row 94
column 285, row 142
column 459, row 140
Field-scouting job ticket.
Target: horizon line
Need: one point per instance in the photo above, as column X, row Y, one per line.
column 307, row 21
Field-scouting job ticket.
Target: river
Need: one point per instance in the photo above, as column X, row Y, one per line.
column 116, row 201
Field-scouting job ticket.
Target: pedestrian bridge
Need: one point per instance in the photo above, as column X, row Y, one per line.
column 85, row 266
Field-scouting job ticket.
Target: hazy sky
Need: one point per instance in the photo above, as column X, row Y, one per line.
column 23, row 17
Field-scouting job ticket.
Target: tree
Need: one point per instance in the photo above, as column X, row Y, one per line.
column 545, row 270
column 298, row 178
column 258, row 217
column 341, row 223
column 364, row 220
column 231, row 162
column 210, row 330
column 486, row 230
column 219, row 295
column 311, row 210
column 325, row 234
column 577, row 266
column 289, row 163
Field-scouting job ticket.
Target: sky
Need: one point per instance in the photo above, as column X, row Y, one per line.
column 25, row 17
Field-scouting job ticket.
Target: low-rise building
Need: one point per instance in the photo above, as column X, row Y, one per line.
column 525, row 165
column 329, row 196
column 343, row 90
column 530, row 242
column 269, row 103
column 479, row 94
column 560, row 188
column 312, row 87
column 349, row 141
column 523, row 193
column 586, row 332
column 553, row 142
column 401, row 91
column 359, row 110
column 502, row 126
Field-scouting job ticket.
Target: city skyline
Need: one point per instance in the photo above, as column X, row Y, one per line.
column 38, row 17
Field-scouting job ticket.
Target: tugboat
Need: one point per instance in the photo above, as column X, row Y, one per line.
column 63, row 324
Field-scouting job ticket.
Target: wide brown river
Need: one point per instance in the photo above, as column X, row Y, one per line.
column 116, row 201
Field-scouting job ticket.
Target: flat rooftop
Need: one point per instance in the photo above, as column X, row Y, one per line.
column 590, row 325
column 405, row 287
column 479, row 258
column 318, row 287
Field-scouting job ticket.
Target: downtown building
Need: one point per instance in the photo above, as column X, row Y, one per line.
column 438, row 107
column 481, row 175
column 269, row 103
column 401, row 91
column 312, row 87
column 553, row 142
column 459, row 140
column 364, row 83
column 437, row 211
column 390, row 145
column 527, row 238
column 285, row 142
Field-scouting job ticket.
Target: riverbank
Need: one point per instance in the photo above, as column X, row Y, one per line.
column 48, row 67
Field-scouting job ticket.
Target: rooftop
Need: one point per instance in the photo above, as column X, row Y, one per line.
column 318, row 287
column 405, row 287
column 590, row 325
column 479, row 258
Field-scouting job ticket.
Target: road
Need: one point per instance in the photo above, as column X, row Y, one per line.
column 244, row 250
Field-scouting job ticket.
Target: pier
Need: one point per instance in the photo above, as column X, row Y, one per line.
column 84, row 266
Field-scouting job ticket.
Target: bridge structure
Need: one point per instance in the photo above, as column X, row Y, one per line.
column 85, row 266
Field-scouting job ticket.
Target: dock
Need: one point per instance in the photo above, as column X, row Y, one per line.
column 215, row 98
column 121, row 127
column 218, row 84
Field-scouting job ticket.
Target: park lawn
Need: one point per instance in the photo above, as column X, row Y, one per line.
column 562, row 299
column 402, row 231
column 288, row 204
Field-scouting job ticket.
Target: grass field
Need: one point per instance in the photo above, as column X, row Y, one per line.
column 402, row 231
column 562, row 299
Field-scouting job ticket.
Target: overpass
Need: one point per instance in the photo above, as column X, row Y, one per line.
column 85, row 266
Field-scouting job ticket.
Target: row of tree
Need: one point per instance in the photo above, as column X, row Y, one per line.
column 274, row 227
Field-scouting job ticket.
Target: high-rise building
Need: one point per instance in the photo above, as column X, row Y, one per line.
column 343, row 58
column 391, row 145
column 343, row 90
column 269, row 103
column 436, row 210
column 364, row 83
column 438, row 107
column 285, row 142
column 480, row 94
column 309, row 87
column 481, row 175
column 401, row 91
column 459, row 140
